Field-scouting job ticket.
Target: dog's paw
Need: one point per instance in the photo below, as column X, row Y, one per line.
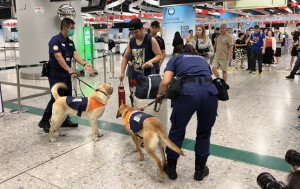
column 62, row 134
column 52, row 139
column 161, row 179
column 135, row 149
column 141, row 158
column 96, row 138
column 99, row 134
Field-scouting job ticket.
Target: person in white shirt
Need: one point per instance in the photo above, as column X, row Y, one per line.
column 279, row 39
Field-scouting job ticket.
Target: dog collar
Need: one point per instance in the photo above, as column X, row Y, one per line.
column 101, row 92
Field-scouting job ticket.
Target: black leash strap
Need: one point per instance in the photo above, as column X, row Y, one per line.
column 150, row 104
column 158, row 101
column 77, row 77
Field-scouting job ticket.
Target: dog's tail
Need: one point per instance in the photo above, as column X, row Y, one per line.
column 55, row 88
column 168, row 142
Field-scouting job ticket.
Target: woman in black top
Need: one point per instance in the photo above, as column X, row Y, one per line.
column 177, row 39
column 241, row 50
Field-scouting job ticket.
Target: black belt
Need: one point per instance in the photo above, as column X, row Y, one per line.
column 57, row 69
column 193, row 79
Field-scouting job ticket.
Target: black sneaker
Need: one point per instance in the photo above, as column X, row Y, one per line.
column 291, row 76
column 68, row 123
column 201, row 173
column 45, row 124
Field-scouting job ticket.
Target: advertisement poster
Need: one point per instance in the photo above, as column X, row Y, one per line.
column 179, row 18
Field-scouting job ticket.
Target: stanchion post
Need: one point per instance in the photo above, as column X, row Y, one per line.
column 113, row 65
column 4, row 53
column 75, row 80
column 19, row 110
column 104, row 66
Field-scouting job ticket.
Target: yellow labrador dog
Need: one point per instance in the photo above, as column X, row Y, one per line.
column 90, row 108
column 151, row 129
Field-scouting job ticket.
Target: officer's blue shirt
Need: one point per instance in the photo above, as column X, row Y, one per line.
column 59, row 44
column 186, row 65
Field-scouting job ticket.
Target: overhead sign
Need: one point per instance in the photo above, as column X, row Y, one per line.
column 168, row 3
column 246, row 4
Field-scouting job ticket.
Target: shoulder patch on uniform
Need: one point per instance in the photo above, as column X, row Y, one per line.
column 55, row 47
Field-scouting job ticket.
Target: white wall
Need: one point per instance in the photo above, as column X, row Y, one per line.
column 36, row 29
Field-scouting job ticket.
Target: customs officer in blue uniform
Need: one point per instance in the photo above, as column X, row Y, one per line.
column 61, row 52
column 198, row 94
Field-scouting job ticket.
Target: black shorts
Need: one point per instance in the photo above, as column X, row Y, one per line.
column 278, row 52
column 294, row 52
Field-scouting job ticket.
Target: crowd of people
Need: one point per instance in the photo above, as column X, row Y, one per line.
column 261, row 45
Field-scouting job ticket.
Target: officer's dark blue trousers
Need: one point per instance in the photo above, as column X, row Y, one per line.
column 55, row 77
column 297, row 65
column 194, row 97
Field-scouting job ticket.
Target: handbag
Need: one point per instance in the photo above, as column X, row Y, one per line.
column 174, row 88
column 222, row 87
column 45, row 69
column 147, row 86
column 121, row 94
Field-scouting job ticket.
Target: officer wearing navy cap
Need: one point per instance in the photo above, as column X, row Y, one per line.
column 198, row 94
column 61, row 52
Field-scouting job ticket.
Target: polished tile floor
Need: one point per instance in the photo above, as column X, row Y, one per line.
column 252, row 133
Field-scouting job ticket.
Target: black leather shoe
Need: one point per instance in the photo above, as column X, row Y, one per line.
column 200, row 173
column 291, row 76
column 69, row 123
column 45, row 124
column 170, row 169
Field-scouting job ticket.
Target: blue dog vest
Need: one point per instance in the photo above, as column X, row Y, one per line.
column 134, row 120
column 82, row 104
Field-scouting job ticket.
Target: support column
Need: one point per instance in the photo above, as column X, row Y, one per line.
column 37, row 24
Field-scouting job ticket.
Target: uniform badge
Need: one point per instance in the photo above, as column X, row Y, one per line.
column 55, row 47
column 63, row 44
column 71, row 44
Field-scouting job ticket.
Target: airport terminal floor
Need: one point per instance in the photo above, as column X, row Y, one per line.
column 253, row 131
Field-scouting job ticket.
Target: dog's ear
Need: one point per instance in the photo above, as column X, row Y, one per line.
column 108, row 89
column 118, row 114
column 120, row 111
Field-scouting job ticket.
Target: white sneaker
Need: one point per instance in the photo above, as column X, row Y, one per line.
column 274, row 65
column 270, row 69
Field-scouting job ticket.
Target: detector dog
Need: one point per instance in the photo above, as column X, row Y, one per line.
column 90, row 108
column 139, row 124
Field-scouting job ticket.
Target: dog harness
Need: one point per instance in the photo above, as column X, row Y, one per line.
column 83, row 104
column 134, row 120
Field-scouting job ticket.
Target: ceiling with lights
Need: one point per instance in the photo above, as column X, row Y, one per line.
column 118, row 10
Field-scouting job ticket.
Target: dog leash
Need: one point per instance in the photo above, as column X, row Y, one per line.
column 156, row 101
column 80, row 85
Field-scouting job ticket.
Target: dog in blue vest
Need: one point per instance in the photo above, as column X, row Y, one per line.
column 90, row 108
column 141, row 125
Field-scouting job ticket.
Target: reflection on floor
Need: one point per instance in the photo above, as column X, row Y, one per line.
column 253, row 131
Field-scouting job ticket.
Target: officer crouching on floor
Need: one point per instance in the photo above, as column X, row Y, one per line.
column 198, row 94
column 61, row 52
